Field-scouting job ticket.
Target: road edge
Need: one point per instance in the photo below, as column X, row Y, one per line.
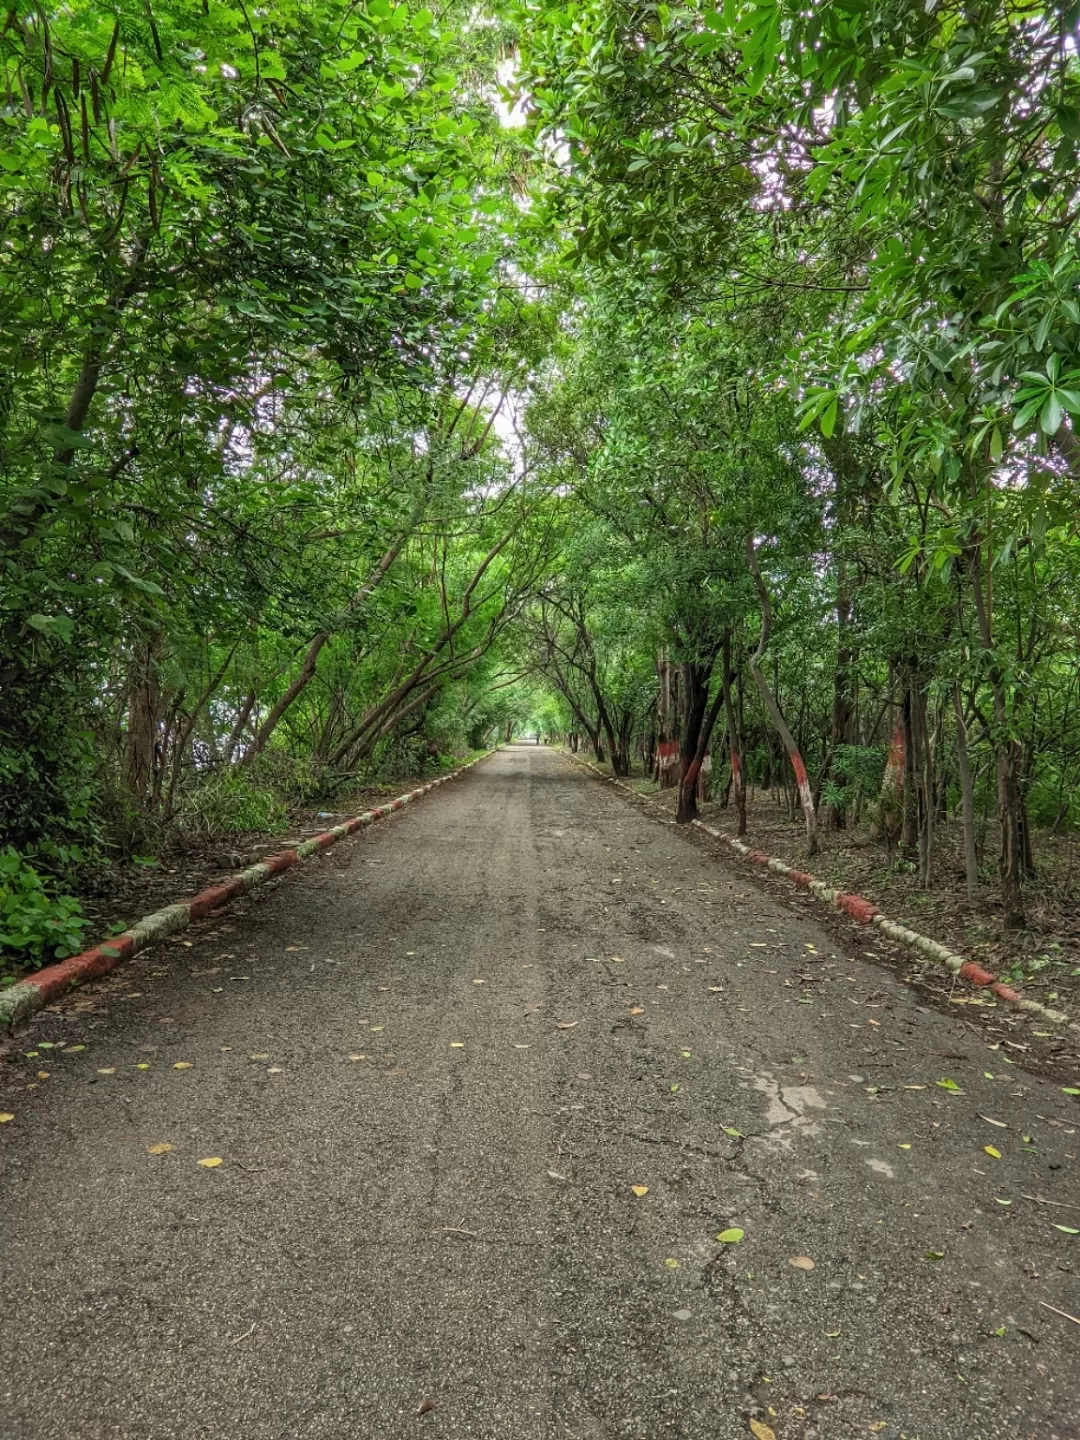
column 864, row 912
column 28, row 995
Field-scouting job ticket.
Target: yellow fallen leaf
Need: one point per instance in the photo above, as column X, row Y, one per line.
column 903, row 1147
column 991, row 1151
column 640, row 1190
column 162, row 1148
column 715, row 989
column 618, row 959
column 211, row 1162
column 182, row 1065
column 801, row 1262
column 761, row 1431
column 376, row 1028
column 5, row 1117
column 637, row 1009
column 43, row 1074
column 672, row 1264
column 357, row 1057
column 274, row 1070
column 108, row 1070
column 457, row 1044
column 566, row 1024
column 142, row 1065
column 259, row 1055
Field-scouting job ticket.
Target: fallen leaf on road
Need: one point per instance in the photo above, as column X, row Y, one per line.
column 914, row 1087
column 357, row 1057
column 43, row 1074
column 735, row 1134
column 948, row 1085
column 640, row 1190
column 260, row 1055
column 935, row 1254
column 109, row 1070
column 566, row 1024
column 672, row 1264
column 1069, row 1090
column 142, row 1065
column 761, row 1431
column 999, row 1201
column 211, row 1162
column 162, row 1148
column 5, row 1117
column 1067, row 1230
column 989, row 1149
column 183, row 1065
column 903, row 1147
column 426, row 1406
column 732, row 1236
column 555, row 1175
column 73, row 1049
column 274, row 1070
column 618, row 959
column 716, row 989
column 637, row 1009
column 457, row 1044
column 999, row 1123
column 801, row 1262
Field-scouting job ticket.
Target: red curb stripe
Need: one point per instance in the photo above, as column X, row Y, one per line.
column 1006, row 993
column 55, row 980
column 801, row 878
column 975, row 974
column 284, row 860
column 758, row 857
column 325, row 840
column 858, row 908
column 213, row 897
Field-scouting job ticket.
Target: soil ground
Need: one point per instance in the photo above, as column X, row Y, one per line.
column 434, row 1065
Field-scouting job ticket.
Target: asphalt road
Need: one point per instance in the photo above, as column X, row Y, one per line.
column 433, row 1064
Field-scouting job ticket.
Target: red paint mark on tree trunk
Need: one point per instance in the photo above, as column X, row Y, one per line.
column 799, row 768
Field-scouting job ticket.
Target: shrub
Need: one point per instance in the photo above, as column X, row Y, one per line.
column 37, row 924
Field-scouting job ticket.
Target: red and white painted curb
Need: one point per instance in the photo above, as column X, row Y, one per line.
column 866, row 913
column 29, row 994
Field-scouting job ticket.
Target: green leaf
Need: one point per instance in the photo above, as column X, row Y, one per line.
column 731, row 1237
column 1050, row 418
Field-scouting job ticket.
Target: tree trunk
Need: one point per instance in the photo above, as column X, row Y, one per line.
column 1010, row 862
column 967, row 797
column 145, row 714
column 840, row 733
column 734, row 746
column 771, row 705
column 697, row 730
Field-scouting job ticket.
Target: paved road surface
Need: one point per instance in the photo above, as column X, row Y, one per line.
column 433, row 1064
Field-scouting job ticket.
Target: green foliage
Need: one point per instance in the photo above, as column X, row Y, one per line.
column 230, row 804
column 38, row 923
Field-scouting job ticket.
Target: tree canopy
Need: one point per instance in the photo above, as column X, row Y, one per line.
column 698, row 384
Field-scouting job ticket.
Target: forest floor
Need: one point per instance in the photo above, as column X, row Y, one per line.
column 525, row 1117
column 116, row 895
column 1043, row 959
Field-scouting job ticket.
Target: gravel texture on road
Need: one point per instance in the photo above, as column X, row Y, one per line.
column 434, row 1066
